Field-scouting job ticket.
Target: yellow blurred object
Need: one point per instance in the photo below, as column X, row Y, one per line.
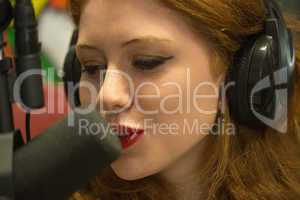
column 39, row 5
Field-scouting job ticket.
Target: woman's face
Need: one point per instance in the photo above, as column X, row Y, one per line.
column 164, row 85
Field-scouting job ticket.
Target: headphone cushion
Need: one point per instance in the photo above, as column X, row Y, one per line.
column 71, row 77
column 239, row 74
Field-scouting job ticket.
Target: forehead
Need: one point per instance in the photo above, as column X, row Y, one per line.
column 130, row 17
column 118, row 9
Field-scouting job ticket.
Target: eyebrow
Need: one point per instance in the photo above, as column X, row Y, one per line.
column 87, row 46
column 149, row 39
column 144, row 39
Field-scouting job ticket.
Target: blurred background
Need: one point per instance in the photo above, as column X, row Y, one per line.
column 55, row 30
column 291, row 6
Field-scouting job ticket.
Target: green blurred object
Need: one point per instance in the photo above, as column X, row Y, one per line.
column 47, row 66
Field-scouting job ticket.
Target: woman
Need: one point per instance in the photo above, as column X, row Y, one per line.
column 184, row 43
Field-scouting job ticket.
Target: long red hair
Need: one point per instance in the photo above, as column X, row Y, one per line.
column 243, row 166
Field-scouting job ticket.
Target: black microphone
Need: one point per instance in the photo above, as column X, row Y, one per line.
column 64, row 158
column 6, row 14
column 28, row 58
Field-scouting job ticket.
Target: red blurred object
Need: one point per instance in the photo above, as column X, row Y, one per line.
column 59, row 4
column 56, row 106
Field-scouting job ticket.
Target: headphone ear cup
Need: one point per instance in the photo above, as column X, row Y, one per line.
column 252, row 64
column 71, row 77
column 238, row 101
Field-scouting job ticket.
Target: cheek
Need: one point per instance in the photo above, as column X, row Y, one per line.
column 192, row 116
column 183, row 97
column 89, row 89
column 85, row 96
column 163, row 92
column 87, row 93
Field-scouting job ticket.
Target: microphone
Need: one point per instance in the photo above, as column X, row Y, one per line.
column 28, row 50
column 6, row 14
column 64, row 158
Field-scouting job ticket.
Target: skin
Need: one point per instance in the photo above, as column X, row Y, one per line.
column 104, row 27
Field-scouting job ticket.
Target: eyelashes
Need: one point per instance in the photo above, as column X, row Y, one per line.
column 148, row 63
column 143, row 63
column 92, row 69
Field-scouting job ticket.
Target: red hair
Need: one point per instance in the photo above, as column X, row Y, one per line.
column 247, row 165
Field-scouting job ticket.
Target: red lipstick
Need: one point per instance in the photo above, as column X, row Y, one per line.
column 128, row 135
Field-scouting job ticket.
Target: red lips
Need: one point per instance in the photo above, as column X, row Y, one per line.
column 128, row 135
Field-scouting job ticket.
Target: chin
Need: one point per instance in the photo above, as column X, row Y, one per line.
column 130, row 174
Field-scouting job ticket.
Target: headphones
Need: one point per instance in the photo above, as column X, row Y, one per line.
column 72, row 73
column 266, row 59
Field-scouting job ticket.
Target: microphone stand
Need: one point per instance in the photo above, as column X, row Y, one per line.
column 6, row 130
column 27, row 49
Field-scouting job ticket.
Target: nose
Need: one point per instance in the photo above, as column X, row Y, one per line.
column 114, row 95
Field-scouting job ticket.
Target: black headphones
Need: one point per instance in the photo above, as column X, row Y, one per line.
column 268, row 54
column 72, row 73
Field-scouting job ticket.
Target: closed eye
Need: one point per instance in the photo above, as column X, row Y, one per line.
column 148, row 63
column 92, row 69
